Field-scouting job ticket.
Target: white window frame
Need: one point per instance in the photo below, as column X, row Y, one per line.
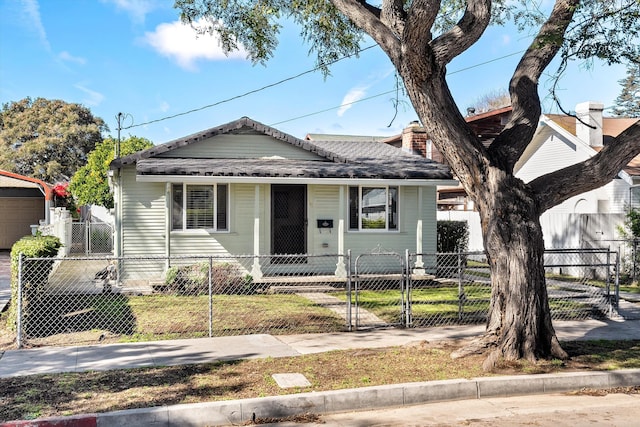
column 183, row 206
column 360, row 228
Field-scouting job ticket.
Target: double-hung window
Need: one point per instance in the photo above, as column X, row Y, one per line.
column 199, row 207
column 373, row 208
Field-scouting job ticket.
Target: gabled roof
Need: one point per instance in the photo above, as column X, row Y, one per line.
column 337, row 159
column 611, row 128
column 14, row 180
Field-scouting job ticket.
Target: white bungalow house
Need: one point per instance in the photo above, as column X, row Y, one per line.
column 589, row 219
column 247, row 188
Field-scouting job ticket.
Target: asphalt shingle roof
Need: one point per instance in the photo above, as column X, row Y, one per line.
column 340, row 159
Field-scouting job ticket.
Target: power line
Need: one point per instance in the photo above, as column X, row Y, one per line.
column 313, row 70
column 389, row 91
column 300, row 75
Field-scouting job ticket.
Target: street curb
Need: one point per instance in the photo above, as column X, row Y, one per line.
column 240, row 411
column 84, row 420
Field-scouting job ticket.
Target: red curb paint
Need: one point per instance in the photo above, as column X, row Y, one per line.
column 74, row 421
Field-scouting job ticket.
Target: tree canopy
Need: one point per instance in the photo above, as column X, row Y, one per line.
column 420, row 38
column 628, row 102
column 47, row 139
column 90, row 184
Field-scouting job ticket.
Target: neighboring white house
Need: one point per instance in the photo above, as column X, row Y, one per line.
column 591, row 218
column 562, row 140
column 247, row 188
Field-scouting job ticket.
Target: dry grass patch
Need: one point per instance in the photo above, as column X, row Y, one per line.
column 73, row 393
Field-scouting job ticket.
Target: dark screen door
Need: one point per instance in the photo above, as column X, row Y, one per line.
column 288, row 219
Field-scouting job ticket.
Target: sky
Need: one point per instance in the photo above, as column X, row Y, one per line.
column 136, row 58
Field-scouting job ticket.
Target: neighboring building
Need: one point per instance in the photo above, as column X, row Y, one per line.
column 590, row 218
column 247, row 188
column 24, row 202
column 561, row 141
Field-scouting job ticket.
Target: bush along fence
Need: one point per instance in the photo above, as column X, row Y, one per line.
column 115, row 299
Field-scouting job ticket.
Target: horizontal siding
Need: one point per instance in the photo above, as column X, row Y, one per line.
column 200, row 243
column 429, row 220
column 242, row 213
column 241, row 147
column 554, row 154
column 323, row 203
column 615, row 192
column 143, row 216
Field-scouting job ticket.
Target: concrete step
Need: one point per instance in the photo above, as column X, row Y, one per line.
column 296, row 289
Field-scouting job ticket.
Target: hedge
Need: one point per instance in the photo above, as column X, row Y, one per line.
column 34, row 276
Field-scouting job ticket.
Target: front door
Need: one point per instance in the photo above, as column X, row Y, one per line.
column 288, row 219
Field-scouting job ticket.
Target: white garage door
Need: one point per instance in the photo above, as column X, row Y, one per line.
column 16, row 216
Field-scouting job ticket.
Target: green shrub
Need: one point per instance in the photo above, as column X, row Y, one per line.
column 35, row 274
column 453, row 237
column 226, row 278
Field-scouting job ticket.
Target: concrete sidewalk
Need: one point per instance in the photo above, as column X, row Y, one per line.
column 176, row 352
column 203, row 350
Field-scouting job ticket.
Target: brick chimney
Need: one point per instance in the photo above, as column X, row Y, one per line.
column 590, row 131
column 414, row 139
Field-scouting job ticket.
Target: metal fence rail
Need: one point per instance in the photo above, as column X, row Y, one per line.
column 68, row 301
column 91, row 238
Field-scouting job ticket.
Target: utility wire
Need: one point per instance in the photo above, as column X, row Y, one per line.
column 390, row 91
column 313, row 70
column 300, row 75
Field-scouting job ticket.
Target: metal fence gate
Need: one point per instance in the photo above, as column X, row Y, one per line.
column 378, row 291
column 91, row 238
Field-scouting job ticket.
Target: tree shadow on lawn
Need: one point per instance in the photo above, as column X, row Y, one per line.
column 71, row 313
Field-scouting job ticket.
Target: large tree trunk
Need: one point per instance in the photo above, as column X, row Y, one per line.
column 519, row 324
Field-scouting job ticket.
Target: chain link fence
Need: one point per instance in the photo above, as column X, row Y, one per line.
column 91, row 238
column 69, row 301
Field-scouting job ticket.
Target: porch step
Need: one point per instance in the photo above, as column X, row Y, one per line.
column 296, row 289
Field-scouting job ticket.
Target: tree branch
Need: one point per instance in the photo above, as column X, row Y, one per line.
column 394, row 16
column 556, row 187
column 507, row 148
column 465, row 33
column 416, row 52
column 367, row 18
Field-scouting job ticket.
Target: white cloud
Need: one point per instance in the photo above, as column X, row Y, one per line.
column 352, row 96
column 164, row 106
column 94, row 98
column 32, row 10
column 66, row 56
column 136, row 9
column 180, row 43
column 506, row 39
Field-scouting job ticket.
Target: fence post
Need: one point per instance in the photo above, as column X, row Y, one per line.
column 87, row 238
column 634, row 247
column 349, row 324
column 406, row 295
column 616, row 300
column 461, row 296
column 19, row 302
column 210, row 297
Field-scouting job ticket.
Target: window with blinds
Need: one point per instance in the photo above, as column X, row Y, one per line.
column 199, row 207
column 373, row 208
